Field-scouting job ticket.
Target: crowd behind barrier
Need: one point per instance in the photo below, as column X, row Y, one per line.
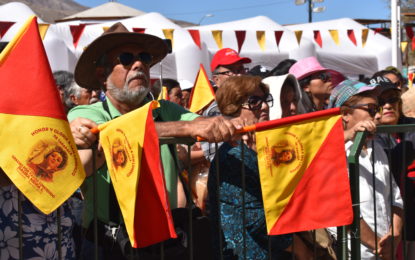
column 212, row 189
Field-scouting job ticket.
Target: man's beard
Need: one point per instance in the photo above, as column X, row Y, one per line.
column 130, row 97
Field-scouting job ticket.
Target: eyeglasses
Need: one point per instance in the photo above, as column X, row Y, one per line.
column 324, row 76
column 255, row 102
column 391, row 101
column 127, row 58
column 233, row 72
column 371, row 108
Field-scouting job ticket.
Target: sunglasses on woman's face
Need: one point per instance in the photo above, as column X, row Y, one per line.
column 371, row 108
column 324, row 76
column 390, row 101
column 127, row 58
column 255, row 102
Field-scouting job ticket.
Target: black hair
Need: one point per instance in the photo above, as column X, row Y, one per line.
column 282, row 68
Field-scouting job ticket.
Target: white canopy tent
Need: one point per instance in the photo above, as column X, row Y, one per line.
column 59, row 55
column 107, row 11
column 182, row 63
column 271, row 56
column 347, row 58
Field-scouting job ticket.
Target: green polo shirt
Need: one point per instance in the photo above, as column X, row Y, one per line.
column 167, row 111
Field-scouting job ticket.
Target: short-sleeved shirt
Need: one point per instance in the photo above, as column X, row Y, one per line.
column 96, row 112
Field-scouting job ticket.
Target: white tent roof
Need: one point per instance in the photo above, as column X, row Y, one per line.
column 59, row 56
column 182, row 63
column 108, row 10
column 346, row 57
column 272, row 55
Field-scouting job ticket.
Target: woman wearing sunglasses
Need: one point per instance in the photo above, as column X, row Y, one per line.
column 243, row 97
column 316, row 83
column 390, row 100
column 359, row 108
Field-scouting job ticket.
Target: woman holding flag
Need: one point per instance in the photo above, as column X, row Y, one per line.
column 248, row 98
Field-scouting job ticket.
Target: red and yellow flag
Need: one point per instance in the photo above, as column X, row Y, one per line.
column 38, row 153
column 132, row 156
column 164, row 94
column 303, row 172
column 202, row 92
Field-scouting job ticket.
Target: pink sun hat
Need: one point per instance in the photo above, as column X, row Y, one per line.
column 310, row 65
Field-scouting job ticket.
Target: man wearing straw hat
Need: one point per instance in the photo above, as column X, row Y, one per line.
column 119, row 62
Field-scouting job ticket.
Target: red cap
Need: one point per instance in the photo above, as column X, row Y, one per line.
column 226, row 56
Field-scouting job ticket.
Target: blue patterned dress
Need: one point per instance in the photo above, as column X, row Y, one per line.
column 231, row 213
column 40, row 239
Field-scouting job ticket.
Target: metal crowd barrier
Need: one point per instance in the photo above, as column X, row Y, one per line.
column 342, row 250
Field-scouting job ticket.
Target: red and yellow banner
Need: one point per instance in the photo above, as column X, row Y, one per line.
column 38, row 153
column 202, row 92
column 303, row 172
column 132, row 156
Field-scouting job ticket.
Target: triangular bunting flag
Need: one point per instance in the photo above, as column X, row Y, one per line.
column 133, row 159
column 350, row 34
column 105, row 28
column 202, row 93
column 217, row 35
column 378, row 30
column 296, row 157
column 317, row 38
column 168, row 33
column 196, row 37
column 163, row 94
column 403, row 46
column 76, row 31
column 240, row 38
column 139, row 30
column 4, row 27
column 278, row 36
column 298, row 35
column 409, row 32
column 38, row 152
column 335, row 36
column 43, row 29
column 260, row 36
column 365, row 34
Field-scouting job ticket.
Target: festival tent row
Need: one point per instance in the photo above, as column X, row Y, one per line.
column 259, row 38
column 347, row 46
column 59, row 55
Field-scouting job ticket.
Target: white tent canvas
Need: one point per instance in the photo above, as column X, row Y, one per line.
column 59, row 56
column 347, row 58
column 182, row 63
column 272, row 55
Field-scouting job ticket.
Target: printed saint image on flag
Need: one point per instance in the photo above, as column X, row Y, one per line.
column 132, row 156
column 38, row 153
column 202, row 93
column 303, row 172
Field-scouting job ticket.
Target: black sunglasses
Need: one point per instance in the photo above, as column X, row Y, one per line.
column 324, row 76
column 391, row 101
column 255, row 102
column 371, row 108
column 127, row 58
column 233, row 72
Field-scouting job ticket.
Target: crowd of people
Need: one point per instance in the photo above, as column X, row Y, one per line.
column 112, row 78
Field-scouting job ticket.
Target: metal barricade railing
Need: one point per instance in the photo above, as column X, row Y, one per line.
column 353, row 162
column 342, row 245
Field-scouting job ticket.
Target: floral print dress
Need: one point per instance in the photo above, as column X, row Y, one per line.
column 40, row 239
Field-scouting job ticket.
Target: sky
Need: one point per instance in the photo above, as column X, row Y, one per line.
column 281, row 11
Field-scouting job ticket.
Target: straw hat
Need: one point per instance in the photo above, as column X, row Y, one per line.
column 116, row 35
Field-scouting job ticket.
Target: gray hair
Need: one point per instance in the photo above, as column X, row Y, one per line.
column 63, row 78
column 72, row 89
